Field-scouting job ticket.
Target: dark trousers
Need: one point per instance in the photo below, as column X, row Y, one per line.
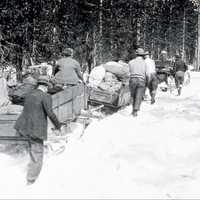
column 137, row 89
column 36, row 153
column 179, row 78
column 153, row 85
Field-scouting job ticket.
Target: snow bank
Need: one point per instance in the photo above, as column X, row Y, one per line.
column 155, row 155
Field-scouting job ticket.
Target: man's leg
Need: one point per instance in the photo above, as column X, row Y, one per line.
column 181, row 81
column 178, row 85
column 176, row 81
column 132, row 86
column 139, row 94
column 153, row 88
column 36, row 151
column 166, row 79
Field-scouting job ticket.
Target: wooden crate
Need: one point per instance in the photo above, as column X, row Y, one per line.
column 7, row 123
column 67, row 104
column 103, row 96
column 110, row 99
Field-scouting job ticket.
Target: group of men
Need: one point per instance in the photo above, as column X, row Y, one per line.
column 143, row 74
column 32, row 123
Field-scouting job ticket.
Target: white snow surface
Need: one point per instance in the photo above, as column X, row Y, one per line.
column 153, row 156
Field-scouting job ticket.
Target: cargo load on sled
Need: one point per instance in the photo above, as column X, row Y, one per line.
column 109, row 86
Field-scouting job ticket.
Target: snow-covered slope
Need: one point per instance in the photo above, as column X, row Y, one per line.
column 155, row 155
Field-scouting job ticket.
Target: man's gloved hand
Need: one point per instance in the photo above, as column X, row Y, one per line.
column 83, row 82
column 57, row 132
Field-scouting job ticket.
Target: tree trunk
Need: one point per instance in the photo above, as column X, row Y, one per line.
column 100, row 30
column 183, row 39
column 198, row 41
column 111, row 28
column 170, row 31
column 138, row 36
column 144, row 32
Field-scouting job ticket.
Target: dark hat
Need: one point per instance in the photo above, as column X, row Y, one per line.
column 30, row 80
column 68, row 51
column 44, row 80
column 140, row 52
column 177, row 56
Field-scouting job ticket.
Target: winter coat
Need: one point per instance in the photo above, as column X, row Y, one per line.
column 180, row 65
column 138, row 68
column 69, row 71
column 150, row 66
column 33, row 120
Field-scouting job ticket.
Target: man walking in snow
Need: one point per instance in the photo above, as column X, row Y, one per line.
column 179, row 68
column 32, row 124
column 163, row 66
column 138, row 79
column 153, row 81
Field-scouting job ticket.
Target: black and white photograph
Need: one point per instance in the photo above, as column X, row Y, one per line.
column 100, row 99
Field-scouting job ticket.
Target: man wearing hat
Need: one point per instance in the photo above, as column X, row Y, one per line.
column 138, row 79
column 69, row 70
column 18, row 94
column 153, row 81
column 163, row 66
column 179, row 68
column 32, row 124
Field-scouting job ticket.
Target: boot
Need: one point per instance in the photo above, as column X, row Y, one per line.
column 30, row 182
column 153, row 101
column 153, row 94
column 134, row 113
column 179, row 91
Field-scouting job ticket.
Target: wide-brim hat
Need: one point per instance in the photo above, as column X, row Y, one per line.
column 163, row 52
column 140, row 52
column 44, row 80
column 68, row 51
column 178, row 56
column 30, row 80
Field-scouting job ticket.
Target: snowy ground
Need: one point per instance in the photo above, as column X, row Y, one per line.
column 156, row 155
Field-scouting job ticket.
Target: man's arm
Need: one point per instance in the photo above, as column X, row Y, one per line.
column 47, row 103
column 186, row 67
column 147, row 75
column 78, row 72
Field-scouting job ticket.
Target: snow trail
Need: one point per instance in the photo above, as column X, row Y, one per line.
column 155, row 155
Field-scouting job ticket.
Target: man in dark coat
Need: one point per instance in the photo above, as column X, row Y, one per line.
column 179, row 68
column 68, row 72
column 138, row 79
column 163, row 66
column 69, row 69
column 32, row 124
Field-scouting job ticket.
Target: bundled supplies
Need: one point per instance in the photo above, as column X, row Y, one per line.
column 96, row 76
column 109, row 76
column 118, row 69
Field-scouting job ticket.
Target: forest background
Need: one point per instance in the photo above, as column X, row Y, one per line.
column 98, row 30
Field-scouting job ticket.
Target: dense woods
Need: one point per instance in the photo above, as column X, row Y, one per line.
column 98, row 30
